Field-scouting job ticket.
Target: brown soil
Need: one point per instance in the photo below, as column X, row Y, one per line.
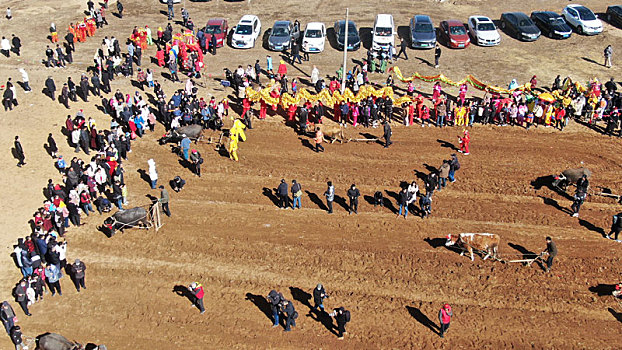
column 393, row 274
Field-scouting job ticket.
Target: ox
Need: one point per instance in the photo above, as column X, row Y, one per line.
column 570, row 176
column 53, row 341
column 194, row 132
column 127, row 218
column 485, row 242
column 333, row 132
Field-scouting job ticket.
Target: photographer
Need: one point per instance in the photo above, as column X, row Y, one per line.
column 275, row 298
column 319, row 294
column 197, row 292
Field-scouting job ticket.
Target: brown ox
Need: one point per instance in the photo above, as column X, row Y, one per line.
column 332, row 132
column 484, row 242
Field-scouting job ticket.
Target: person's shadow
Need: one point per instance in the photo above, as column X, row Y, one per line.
column 423, row 319
column 316, row 315
column 270, row 193
column 144, row 176
column 315, row 199
column 307, row 143
column 388, row 203
column 261, row 303
column 617, row 315
column 603, row 289
column 447, row 144
column 301, row 296
column 588, row 225
column 554, row 204
column 183, row 291
column 342, row 202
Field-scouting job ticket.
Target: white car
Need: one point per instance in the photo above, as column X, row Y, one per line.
column 246, row 32
column 384, row 33
column 484, row 31
column 582, row 19
column 314, row 37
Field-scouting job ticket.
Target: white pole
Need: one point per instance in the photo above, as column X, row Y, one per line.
column 345, row 54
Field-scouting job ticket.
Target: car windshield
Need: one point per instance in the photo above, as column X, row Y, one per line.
column 214, row 29
column 424, row 28
column 585, row 14
column 280, row 31
column 482, row 27
column 557, row 21
column 351, row 29
column 524, row 23
column 457, row 30
column 313, row 33
column 243, row 29
column 384, row 31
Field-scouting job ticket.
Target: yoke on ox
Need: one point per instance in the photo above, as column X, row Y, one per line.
column 481, row 242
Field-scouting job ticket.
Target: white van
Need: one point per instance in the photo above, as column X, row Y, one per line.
column 384, row 33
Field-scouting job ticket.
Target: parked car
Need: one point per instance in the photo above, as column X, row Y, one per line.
column 520, row 26
column 219, row 28
column 422, row 32
column 384, row 33
column 484, row 31
column 280, row 36
column 454, row 34
column 314, row 37
column 174, row 1
column 246, row 32
column 582, row 19
column 551, row 24
column 614, row 15
column 354, row 40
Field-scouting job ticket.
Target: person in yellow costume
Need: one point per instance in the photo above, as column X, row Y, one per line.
column 233, row 147
column 238, row 129
column 460, row 115
column 548, row 116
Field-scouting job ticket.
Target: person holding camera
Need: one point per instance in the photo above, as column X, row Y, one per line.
column 319, row 294
column 287, row 307
column 197, row 292
column 275, row 298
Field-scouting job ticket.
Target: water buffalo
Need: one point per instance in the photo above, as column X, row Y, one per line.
column 53, row 341
column 570, row 176
column 127, row 218
column 194, row 132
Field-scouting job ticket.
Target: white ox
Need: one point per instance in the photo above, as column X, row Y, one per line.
column 485, row 242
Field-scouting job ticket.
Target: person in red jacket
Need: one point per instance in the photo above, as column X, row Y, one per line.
column 464, row 143
column 197, row 291
column 444, row 318
column 560, row 114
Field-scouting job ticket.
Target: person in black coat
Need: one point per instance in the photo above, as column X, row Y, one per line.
column 403, row 202
column 72, row 90
column 7, row 99
column 387, row 134
column 353, row 195
column 50, row 88
column 295, row 52
column 85, row 139
column 213, row 43
column 84, row 86
column 290, row 313
column 319, row 294
column 52, row 146
column 96, row 84
column 341, row 316
column 16, row 43
column 120, row 8
column 281, row 191
column 19, row 152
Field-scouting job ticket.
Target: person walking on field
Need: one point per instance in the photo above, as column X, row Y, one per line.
column 551, row 251
column 403, row 46
column 19, row 152
column 281, row 191
column 78, row 269
column 330, row 196
column 403, row 202
column 616, row 227
column 290, row 313
column 296, row 195
column 437, row 55
column 342, row 316
column 608, row 53
column 197, row 292
column 120, row 8
column 319, row 294
column 387, row 134
column 353, row 195
column 444, row 317
column 319, row 137
column 164, row 199
column 153, row 174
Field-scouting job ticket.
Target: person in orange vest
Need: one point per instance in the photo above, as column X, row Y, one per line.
column 160, row 56
column 319, row 137
column 53, row 33
column 444, row 318
column 464, row 143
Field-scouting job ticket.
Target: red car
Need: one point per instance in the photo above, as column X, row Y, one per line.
column 219, row 28
column 454, row 34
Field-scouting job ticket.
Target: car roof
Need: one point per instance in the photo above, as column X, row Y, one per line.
column 282, row 23
column 384, row 19
column 548, row 14
column 422, row 18
column 575, row 6
column 480, row 19
column 341, row 21
column 315, row 25
column 454, row 22
column 518, row 15
column 248, row 18
column 216, row 21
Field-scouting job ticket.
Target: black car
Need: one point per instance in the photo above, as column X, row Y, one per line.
column 354, row 41
column 519, row 25
column 614, row 15
column 551, row 24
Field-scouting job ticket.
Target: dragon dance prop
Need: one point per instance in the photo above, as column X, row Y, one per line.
column 330, row 99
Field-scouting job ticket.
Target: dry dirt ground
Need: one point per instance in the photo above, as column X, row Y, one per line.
column 393, row 274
